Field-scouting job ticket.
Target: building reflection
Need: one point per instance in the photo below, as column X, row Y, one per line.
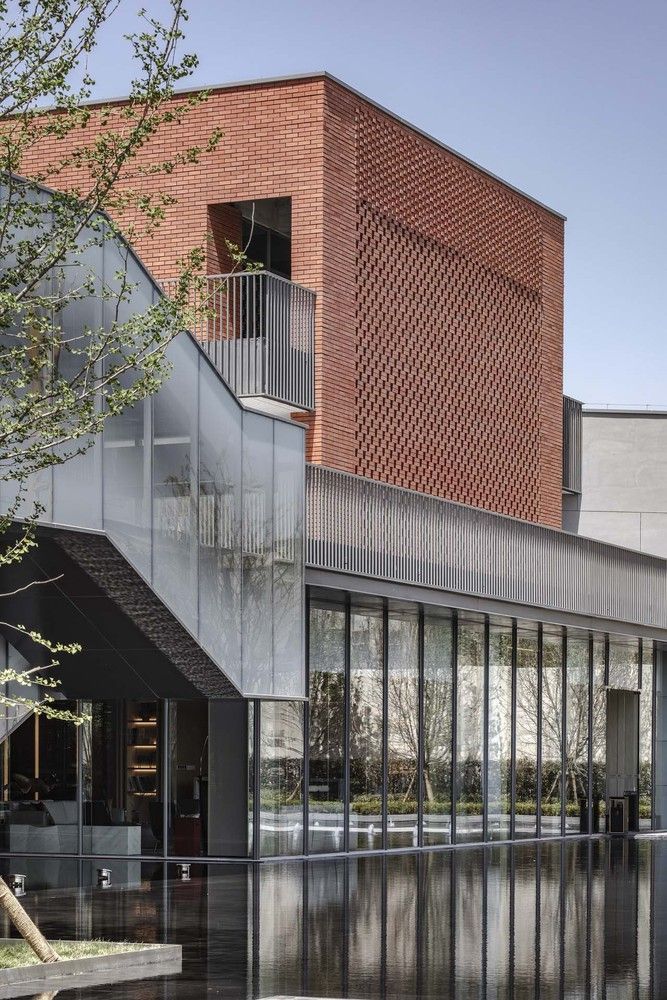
column 560, row 919
column 566, row 918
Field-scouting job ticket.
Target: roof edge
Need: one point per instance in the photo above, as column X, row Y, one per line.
column 324, row 75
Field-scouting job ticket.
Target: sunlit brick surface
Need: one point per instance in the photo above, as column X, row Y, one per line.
column 439, row 309
column 449, row 317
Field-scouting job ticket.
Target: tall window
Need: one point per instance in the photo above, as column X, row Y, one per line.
column 525, row 819
column 599, row 734
column 366, row 730
column 403, row 727
column 281, row 777
column 326, row 790
column 646, row 737
column 552, row 730
column 437, row 776
column 470, row 730
column 576, row 733
column 499, row 763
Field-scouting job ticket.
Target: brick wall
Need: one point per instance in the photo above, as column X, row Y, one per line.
column 439, row 315
column 459, row 328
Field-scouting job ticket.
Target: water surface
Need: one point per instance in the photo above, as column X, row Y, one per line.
column 557, row 919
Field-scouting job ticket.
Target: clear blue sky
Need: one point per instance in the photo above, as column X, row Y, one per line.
column 565, row 99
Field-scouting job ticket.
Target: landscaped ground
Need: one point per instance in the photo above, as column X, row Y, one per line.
column 14, row 955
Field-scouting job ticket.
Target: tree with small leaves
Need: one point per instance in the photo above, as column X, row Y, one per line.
column 60, row 380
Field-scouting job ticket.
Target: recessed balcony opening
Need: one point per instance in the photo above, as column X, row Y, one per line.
column 257, row 326
column 261, row 228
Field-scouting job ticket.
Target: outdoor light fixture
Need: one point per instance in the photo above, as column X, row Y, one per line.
column 104, row 877
column 17, row 884
column 183, row 870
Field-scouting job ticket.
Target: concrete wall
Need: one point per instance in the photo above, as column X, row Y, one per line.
column 624, row 481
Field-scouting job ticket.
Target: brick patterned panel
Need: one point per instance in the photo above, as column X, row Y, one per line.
column 450, row 314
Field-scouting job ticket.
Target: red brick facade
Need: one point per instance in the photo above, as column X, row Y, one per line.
column 439, row 329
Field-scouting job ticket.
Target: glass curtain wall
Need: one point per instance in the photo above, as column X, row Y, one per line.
column 441, row 711
column 493, row 741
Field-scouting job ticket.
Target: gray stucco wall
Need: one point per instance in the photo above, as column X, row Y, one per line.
column 624, row 481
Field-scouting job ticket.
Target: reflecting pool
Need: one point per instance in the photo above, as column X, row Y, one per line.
column 576, row 918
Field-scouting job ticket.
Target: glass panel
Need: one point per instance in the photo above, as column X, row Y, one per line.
column 122, row 780
column 646, row 737
column 576, row 734
column 470, row 730
column 127, row 484
column 250, row 784
column 127, row 437
column 624, row 663
column 281, row 777
column 77, row 485
column 257, row 621
column 40, row 803
column 499, row 769
column 188, row 750
column 599, row 736
column 208, row 812
column 326, row 788
column 525, row 819
column 660, row 791
column 288, row 661
column 366, row 669
column 219, row 523
column 403, row 728
column 437, row 777
column 38, row 810
column 174, row 486
column 552, row 719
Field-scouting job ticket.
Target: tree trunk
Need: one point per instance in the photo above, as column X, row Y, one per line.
column 29, row 931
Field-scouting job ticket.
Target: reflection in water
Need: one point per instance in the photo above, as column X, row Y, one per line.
column 572, row 919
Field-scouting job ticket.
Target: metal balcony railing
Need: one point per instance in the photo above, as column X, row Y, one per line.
column 572, row 444
column 259, row 331
column 366, row 528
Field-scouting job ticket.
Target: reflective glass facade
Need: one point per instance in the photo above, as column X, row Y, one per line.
column 204, row 498
column 465, row 727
